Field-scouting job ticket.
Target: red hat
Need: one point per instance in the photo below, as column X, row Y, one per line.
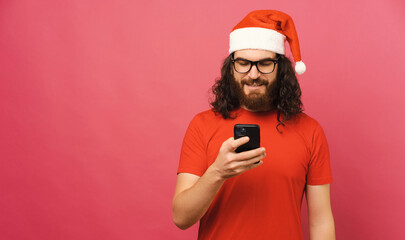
column 267, row 30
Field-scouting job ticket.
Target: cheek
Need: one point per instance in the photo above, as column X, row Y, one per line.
column 238, row 77
column 272, row 77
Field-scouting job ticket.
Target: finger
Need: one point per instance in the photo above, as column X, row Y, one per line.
column 252, row 163
column 255, row 165
column 254, row 160
column 244, row 156
column 238, row 142
column 227, row 143
column 245, row 165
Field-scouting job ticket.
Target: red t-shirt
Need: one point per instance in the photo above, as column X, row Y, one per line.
column 265, row 202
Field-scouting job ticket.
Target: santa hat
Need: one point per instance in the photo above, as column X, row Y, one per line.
column 267, row 30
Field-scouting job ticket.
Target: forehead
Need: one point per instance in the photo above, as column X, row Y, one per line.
column 254, row 54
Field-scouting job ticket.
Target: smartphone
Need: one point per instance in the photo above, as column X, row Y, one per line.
column 250, row 130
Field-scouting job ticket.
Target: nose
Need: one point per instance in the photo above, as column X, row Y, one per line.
column 254, row 73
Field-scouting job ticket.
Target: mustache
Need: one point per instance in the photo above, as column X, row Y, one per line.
column 254, row 81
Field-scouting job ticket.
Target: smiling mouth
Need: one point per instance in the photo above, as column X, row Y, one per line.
column 254, row 84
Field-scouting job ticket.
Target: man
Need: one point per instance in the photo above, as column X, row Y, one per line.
column 256, row 194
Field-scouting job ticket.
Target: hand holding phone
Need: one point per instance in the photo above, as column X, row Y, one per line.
column 231, row 161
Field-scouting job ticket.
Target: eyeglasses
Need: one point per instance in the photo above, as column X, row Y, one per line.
column 264, row 66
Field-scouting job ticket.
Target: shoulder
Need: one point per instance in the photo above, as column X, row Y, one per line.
column 202, row 119
column 305, row 126
column 304, row 121
column 206, row 116
column 207, row 123
column 203, row 125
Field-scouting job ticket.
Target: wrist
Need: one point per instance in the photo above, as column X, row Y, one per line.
column 215, row 174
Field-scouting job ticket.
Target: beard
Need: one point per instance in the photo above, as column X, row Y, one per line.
column 254, row 101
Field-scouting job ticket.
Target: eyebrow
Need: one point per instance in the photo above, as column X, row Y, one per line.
column 264, row 59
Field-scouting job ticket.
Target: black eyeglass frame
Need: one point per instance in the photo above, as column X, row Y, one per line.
column 254, row 63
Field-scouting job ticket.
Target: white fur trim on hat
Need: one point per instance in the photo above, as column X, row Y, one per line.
column 256, row 38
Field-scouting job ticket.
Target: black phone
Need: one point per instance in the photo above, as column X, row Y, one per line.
column 250, row 130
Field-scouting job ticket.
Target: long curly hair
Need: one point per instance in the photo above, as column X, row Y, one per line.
column 287, row 101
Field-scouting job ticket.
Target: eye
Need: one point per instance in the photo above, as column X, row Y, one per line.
column 243, row 62
column 266, row 63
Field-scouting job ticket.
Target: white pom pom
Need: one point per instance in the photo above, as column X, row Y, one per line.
column 300, row 67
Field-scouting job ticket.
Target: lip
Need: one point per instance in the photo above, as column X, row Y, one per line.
column 254, row 87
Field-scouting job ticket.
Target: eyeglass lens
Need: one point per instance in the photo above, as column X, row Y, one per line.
column 244, row 66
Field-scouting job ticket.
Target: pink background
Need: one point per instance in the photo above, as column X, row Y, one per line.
column 95, row 98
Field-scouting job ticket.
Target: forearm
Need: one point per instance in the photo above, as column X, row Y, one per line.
column 190, row 205
column 321, row 223
column 324, row 231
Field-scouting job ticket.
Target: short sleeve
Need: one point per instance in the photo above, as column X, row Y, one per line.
column 319, row 170
column 193, row 154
